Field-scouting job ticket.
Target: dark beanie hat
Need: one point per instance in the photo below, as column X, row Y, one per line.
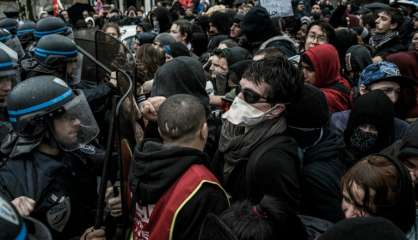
column 177, row 49
column 257, row 25
column 364, row 228
column 311, row 111
column 235, row 54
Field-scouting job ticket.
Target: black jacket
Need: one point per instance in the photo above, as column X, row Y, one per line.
column 393, row 46
column 323, row 166
column 63, row 187
column 273, row 168
column 157, row 167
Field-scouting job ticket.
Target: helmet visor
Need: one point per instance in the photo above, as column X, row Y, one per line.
column 75, row 125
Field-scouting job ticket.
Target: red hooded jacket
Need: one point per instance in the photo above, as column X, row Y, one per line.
column 326, row 64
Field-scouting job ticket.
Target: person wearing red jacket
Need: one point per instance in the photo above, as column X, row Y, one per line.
column 321, row 68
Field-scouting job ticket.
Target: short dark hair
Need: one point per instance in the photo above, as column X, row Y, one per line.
column 285, row 79
column 327, row 28
column 185, row 27
column 180, row 116
column 270, row 219
column 395, row 15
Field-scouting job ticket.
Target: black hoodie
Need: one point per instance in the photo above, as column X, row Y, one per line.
column 376, row 109
column 184, row 75
column 157, row 167
column 163, row 17
column 323, row 166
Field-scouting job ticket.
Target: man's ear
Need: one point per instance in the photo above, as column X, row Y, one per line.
column 363, row 89
column 277, row 111
column 204, row 131
column 184, row 37
column 393, row 26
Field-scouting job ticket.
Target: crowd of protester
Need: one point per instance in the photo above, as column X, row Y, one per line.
column 246, row 126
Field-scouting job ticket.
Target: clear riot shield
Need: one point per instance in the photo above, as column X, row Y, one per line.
column 107, row 59
column 85, row 39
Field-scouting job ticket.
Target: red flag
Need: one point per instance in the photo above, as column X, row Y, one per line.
column 55, row 7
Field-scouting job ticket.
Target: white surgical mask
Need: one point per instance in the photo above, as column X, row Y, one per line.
column 243, row 114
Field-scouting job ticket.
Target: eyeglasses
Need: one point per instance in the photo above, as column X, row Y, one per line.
column 319, row 38
column 250, row 96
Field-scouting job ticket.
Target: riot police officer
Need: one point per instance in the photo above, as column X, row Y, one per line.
column 46, row 175
column 25, row 31
column 54, row 55
column 8, row 74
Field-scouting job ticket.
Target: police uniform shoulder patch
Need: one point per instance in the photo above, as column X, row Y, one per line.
column 59, row 214
column 88, row 149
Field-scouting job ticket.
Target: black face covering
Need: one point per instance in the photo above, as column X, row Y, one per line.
column 316, row 16
column 306, row 138
column 363, row 142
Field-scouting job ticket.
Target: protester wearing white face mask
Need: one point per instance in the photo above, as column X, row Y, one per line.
column 255, row 155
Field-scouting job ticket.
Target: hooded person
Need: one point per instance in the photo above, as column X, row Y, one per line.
column 221, row 60
column 257, row 27
column 407, row 63
column 218, row 31
column 160, row 20
column 235, row 73
column 370, row 127
column 325, row 159
column 172, row 186
column 219, row 24
column 345, row 38
column 321, row 68
column 357, row 58
column 364, row 228
column 183, row 75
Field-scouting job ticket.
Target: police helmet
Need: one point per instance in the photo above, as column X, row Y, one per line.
column 5, row 35
column 51, row 25
column 7, row 65
column 53, row 50
column 10, row 24
column 31, row 101
column 25, row 31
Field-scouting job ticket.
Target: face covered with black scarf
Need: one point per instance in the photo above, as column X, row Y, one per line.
column 370, row 127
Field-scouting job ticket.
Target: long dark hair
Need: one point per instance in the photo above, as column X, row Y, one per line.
column 148, row 59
